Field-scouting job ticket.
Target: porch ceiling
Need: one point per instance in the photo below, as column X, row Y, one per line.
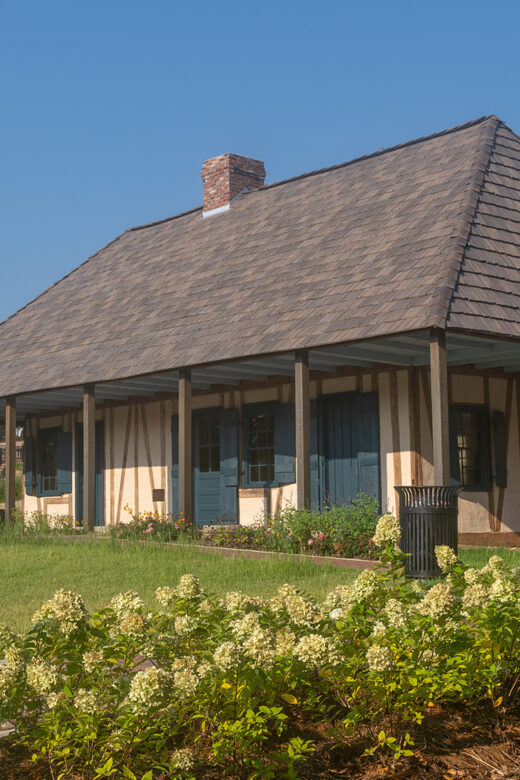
column 400, row 350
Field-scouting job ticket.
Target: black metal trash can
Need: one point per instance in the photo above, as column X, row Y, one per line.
column 428, row 517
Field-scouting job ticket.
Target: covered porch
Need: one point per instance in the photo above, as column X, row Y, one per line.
column 427, row 357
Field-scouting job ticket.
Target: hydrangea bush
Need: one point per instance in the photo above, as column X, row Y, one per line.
column 238, row 684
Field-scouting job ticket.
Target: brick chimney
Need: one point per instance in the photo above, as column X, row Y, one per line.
column 227, row 176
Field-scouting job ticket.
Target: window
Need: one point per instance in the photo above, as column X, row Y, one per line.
column 48, row 462
column 470, row 447
column 260, row 446
column 209, row 445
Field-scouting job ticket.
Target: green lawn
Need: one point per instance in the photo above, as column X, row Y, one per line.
column 32, row 570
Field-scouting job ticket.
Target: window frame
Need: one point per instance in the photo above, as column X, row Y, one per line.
column 43, row 434
column 250, row 411
column 483, row 421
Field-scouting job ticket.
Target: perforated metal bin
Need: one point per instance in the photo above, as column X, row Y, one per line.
column 428, row 517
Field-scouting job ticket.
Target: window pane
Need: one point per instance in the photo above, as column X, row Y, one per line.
column 469, row 446
column 203, row 460
column 215, row 458
column 49, row 466
column 261, row 448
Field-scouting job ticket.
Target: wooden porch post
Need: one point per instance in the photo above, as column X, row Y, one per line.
column 185, row 454
column 10, row 457
column 89, row 457
column 440, row 415
column 303, row 430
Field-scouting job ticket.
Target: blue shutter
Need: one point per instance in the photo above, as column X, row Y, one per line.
column 366, row 443
column 284, row 444
column 316, row 457
column 454, row 450
column 28, row 465
column 64, row 472
column 499, row 436
column 486, row 448
column 228, row 465
column 175, row 464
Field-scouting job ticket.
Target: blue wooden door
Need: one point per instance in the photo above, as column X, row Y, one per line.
column 215, row 466
column 344, row 448
column 100, row 473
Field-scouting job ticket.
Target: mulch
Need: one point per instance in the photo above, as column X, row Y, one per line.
column 459, row 744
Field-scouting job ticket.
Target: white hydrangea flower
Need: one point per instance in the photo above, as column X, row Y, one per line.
column 125, row 604
column 226, row 656
column 336, row 614
column 503, row 590
column 182, row 760
column 205, row 607
column 339, row 598
column 285, row 642
column 183, row 663
column 475, row 597
column 259, row 647
column 446, row 557
column 495, row 565
column 395, row 613
column 93, row 660
column 66, row 609
column 388, row 531
column 237, row 603
column 188, row 587
column 379, row 658
column 53, row 700
column 41, row 676
column 165, row 596
column 134, row 627
column 437, row 602
column 365, row 587
column 185, row 683
column 472, row 576
column 205, row 669
column 417, row 587
column 7, row 682
column 7, row 635
column 314, row 649
column 379, row 628
column 13, row 659
column 149, row 687
column 243, row 627
column 185, row 624
column 85, row 701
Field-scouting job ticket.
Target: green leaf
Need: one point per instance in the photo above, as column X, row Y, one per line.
column 128, row 773
column 147, row 776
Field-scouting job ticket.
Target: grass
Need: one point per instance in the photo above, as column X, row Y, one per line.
column 32, row 570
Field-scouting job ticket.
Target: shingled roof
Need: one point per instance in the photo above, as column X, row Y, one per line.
column 421, row 235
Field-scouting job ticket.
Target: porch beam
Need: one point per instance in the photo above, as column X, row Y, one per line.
column 303, row 429
column 185, row 445
column 440, row 416
column 89, row 461
column 10, row 457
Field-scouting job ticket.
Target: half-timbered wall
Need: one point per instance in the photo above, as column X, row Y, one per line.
column 138, row 446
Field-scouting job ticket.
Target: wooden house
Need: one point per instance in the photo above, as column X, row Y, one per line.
column 344, row 331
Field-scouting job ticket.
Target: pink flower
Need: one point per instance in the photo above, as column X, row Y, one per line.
column 309, row 542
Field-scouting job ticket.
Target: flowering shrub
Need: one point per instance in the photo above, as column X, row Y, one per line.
column 152, row 525
column 343, row 531
column 238, row 685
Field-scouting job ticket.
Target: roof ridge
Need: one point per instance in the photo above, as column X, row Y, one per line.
column 334, row 167
column 378, row 153
column 480, row 168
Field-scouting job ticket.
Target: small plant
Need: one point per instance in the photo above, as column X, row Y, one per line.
column 153, row 526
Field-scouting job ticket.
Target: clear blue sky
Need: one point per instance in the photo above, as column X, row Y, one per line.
column 109, row 107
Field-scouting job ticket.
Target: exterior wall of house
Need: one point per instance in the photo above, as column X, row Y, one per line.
column 138, row 446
